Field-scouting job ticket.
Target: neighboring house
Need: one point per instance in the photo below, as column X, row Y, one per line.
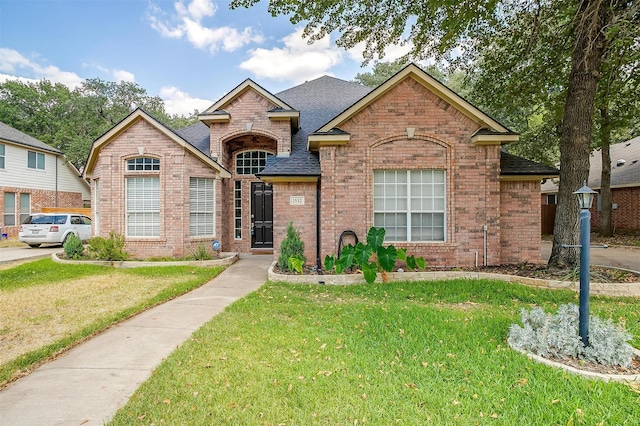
column 625, row 186
column 34, row 175
column 330, row 155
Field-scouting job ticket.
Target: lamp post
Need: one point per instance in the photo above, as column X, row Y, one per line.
column 585, row 199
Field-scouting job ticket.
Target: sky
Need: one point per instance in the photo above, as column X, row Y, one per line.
column 190, row 53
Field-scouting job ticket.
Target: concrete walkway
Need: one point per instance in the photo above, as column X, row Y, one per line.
column 88, row 384
column 615, row 256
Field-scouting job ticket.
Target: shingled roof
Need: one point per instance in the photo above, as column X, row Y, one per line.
column 512, row 165
column 318, row 101
column 9, row 134
column 625, row 167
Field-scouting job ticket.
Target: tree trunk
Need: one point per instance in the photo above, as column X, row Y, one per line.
column 606, row 229
column 577, row 123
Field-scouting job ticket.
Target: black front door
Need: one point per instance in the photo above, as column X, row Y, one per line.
column 261, row 215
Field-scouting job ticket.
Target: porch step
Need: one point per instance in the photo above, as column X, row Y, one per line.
column 262, row 251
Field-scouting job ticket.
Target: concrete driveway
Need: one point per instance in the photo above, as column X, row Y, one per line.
column 616, row 256
column 14, row 254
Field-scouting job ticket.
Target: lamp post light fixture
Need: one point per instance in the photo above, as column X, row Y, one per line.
column 585, row 200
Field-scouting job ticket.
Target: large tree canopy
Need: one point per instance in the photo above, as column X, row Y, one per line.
column 70, row 120
column 579, row 35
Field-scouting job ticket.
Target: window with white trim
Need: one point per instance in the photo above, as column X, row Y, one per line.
column 2, row 156
column 143, row 206
column 237, row 210
column 250, row 162
column 25, row 206
column 143, row 164
column 9, row 208
column 201, row 207
column 410, row 204
column 35, row 160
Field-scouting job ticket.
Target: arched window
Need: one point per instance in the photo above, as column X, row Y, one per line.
column 146, row 164
column 250, row 162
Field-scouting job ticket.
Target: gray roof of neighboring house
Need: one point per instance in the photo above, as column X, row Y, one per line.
column 9, row 134
column 625, row 167
column 512, row 165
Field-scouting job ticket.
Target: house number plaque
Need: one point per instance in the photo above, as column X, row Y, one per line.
column 296, row 200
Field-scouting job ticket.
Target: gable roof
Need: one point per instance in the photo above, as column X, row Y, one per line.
column 132, row 118
column 15, row 136
column 216, row 111
column 435, row 86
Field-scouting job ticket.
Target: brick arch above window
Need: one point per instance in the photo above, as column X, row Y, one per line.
column 253, row 132
column 403, row 137
column 420, row 151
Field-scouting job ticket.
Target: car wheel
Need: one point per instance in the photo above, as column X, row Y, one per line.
column 34, row 245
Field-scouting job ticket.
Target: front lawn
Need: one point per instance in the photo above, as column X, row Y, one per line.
column 401, row 353
column 46, row 307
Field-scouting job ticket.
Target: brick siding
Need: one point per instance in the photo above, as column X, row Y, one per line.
column 520, row 222
column 441, row 141
column 627, row 217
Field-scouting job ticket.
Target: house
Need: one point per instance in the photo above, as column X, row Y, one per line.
column 34, row 175
column 329, row 155
column 625, row 187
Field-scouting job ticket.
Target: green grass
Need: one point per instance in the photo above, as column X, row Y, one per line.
column 402, row 353
column 173, row 281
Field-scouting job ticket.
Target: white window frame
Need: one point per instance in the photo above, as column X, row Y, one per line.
column 201, row 207
column 37, row 156
column 414, row 200
column 143, row 206
column 3, row 156
column 250, row 162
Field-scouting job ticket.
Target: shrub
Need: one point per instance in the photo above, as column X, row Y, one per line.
column 73, row 247
column 201, row 252
column 111, row 248
column 557, row 336
column 372, row 257
column 291, row 247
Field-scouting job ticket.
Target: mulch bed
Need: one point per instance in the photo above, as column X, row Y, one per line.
column 598, row 274
column 578, row 364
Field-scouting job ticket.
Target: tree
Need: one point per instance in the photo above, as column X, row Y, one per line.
column 71, row 120
column 436, row 28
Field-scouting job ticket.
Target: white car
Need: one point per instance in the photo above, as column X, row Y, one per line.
column 54, row 228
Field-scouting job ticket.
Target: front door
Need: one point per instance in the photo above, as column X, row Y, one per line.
column 261, row 215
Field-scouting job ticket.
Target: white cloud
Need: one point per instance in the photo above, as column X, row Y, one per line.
column 391, row 53
column 297, row 61
column 187, row 23
column 13, row 62
column 122, row 75
column 179, row 102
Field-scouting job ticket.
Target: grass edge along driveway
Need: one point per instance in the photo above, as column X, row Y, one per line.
column 60, row 305
column 399, row 353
